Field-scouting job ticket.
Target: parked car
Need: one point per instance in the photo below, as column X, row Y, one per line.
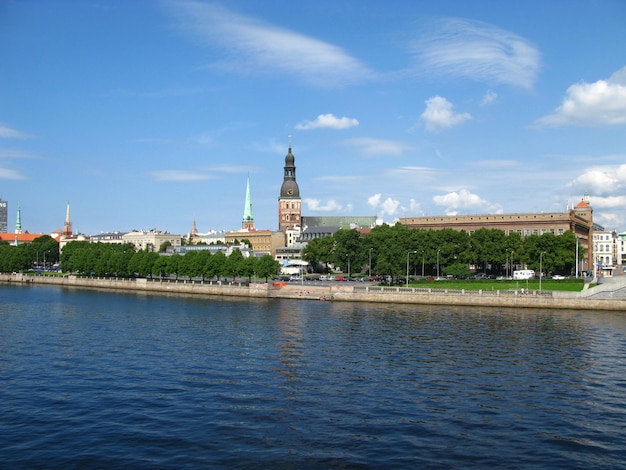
column 558, row 277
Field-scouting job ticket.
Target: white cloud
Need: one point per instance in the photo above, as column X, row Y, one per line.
column 463, row 201
column 178, row 175
column 6, row 153
column 602, row 180
column 601, row 103
column 489, row 98
column 414, row 206
column 609, row 202
column 477, row 50
column 328, row 121
column 374, row 200
column 389, row 206
column 6, row 174
column 250, row 46
column 439, row 114
column 8, row 133
column 319, row 206
column 371, row 147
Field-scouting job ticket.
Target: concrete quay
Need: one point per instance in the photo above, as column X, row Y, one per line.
column 607, row 296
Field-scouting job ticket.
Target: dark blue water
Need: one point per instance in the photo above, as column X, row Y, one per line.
column 93, row 379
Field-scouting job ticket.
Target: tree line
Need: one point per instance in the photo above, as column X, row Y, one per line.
column 121, row 260
column 386, row 250
column 42, row 252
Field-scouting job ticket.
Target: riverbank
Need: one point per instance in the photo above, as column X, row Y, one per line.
column 609, row 297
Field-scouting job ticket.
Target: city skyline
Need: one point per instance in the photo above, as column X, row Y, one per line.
column 153, row 114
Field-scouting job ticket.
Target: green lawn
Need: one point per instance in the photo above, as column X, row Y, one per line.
column 572, row 285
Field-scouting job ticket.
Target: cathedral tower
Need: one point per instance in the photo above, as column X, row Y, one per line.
column 289, row 202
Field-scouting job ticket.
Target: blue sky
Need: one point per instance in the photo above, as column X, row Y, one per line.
column 148, row 114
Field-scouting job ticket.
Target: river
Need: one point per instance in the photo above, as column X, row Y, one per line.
column 95, row 379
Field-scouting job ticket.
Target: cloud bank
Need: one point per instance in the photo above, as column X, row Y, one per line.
column 249, row 46
column 479, row 51
column 464, row 201
column 601, row 103
column 328, row 121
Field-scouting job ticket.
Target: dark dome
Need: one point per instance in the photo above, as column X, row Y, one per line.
column 289, row 159
column 290, row 189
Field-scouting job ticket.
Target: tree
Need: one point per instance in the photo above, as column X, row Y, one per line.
column 234, row 264
column 317, row 253
column 249, row 266
column 347, row 249
column 268, row 267
column 215, row 267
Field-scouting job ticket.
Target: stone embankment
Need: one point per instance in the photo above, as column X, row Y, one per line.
column 609, row 297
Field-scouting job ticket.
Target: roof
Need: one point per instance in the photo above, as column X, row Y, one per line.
column 21, row 237
column 582, row 204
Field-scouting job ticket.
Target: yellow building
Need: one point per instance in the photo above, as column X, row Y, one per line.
column 261, row 241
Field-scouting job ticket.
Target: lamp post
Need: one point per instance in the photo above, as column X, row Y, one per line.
column 407, row 266
column 506, row 270
column 370, row 263
column 438, row 264
column 540, row 268
column 349, row 274
column 576, row 258
column 511, row 269
column 423, row 255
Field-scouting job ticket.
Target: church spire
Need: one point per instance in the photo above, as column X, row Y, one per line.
column 248, row 220
column 67, row 226
column 18, row 221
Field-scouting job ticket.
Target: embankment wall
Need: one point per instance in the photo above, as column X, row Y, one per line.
column 339, row 292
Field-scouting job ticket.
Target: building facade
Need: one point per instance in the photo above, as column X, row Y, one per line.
column 579, row 220
column 289, row 202
column 261, row 241
column 4, row 216
column 150, row 240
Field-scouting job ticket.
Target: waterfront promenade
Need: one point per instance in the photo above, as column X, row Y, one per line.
column 606, row 296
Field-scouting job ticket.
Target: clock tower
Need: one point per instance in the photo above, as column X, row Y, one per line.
column 289, row 202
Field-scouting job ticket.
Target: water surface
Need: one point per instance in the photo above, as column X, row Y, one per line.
column 102, row 379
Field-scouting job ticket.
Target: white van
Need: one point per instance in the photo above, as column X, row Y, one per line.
column 523, row 274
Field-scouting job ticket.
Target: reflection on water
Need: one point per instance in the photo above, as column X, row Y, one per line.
column 98, row 379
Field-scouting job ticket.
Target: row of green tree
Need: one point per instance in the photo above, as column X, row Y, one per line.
column 387, row 250
column 42, row 253
column 105, row 259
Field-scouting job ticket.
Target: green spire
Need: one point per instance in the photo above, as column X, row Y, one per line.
column 18, row 222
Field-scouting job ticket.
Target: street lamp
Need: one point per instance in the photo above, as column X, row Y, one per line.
column 370, row 263
column 438, row 264
column 576, row 257
column 540, row 268
column 407, row 266
column 349, row 274
column 423, row 255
